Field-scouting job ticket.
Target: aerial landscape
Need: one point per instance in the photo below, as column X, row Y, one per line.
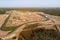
column 15, row 22
column 29, row 22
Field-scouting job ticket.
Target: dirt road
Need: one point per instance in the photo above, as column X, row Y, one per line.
column 21, row 26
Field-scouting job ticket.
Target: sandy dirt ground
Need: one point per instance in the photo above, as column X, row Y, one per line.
column 20, row 17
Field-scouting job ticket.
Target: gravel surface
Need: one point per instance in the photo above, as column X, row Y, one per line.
column 19, row 17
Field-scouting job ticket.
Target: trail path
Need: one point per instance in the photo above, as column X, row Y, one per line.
column 49, row 22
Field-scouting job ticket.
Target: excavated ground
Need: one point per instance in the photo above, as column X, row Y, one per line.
column 18, row 18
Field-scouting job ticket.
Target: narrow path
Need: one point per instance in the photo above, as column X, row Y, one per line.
column 5, row 22
column 20, row 28
column 2, row 32
column 3, row 17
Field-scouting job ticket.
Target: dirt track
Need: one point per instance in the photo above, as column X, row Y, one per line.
column 3, row 17
column 20, row 29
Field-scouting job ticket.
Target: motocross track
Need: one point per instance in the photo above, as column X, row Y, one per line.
column 21, row 19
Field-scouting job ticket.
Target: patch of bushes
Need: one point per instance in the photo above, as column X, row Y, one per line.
column 39, row 34
column 52, row 11
column 8, row 28
column 45, row 34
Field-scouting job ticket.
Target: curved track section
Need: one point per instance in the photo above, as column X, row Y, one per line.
column 21, row 27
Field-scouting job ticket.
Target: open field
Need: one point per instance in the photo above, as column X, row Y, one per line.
column 30, row 24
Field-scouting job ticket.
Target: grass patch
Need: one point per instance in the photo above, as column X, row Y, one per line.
column 9, row 28
column 21, row 37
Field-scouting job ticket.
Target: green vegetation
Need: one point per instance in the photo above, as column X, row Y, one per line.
column 12, row 29
column 53, row 11
column 3, row 10
column 21, row 37
column 37, row 34
column 9, row 28
column 43, row 34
